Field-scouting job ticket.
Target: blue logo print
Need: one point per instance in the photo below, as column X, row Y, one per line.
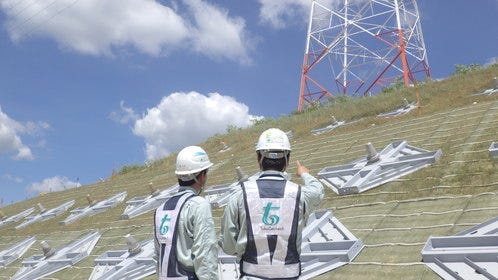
column 163, row 229
column 268, row 219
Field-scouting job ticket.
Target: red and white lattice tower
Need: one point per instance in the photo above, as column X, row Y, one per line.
column 356, row 47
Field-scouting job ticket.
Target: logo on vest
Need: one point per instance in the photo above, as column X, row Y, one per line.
column 270, row 220
column 164, row 228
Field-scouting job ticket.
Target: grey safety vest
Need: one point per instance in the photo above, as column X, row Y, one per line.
column 165, row 231
column 272, row 214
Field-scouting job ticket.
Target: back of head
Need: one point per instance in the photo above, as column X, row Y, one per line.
column 273, row 149
column 190, row 162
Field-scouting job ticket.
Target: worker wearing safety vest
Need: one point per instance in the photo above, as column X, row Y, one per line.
column 185, row 238
column 262, row 225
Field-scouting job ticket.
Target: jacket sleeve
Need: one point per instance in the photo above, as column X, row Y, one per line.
column 204, row 248
column 311, row 192
column 230, row 228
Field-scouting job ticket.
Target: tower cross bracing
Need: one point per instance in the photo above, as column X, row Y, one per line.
column 356, row 47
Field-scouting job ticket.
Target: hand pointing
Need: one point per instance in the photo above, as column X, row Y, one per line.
column 301, row 169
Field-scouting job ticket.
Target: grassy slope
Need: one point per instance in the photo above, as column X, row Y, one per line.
column 393, row 220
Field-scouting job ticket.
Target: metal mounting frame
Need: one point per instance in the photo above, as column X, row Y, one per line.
column 17, row 217
column 399, row 112
column 14, row 252
column 38, row 266
column 335, row 123
column 471, row 254
column 94, row 208
column 122, row 264
column 46, row 215
column 395, row 160
column 142, row 204
column 219, row 195
column 493, row 150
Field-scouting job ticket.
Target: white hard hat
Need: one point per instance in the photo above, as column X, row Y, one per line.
column 190, row 161
column 271, row 141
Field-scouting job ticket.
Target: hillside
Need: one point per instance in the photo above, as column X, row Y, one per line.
column 393, row 220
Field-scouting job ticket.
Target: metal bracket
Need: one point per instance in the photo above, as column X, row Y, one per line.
column 396, row 160
column 51, row 261
column 13, row 253
column 142, row 204
column 123, row 264
column 398, row 112
column 471, row 254
column 94, row 208
column 493, row 150
column 328, row 128
column 17, row 217
column 46, row 214
column 219, row 195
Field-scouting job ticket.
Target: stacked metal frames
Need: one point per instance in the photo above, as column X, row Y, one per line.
column 17, row 217
column 14, row 252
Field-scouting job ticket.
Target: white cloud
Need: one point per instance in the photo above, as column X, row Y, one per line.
column 53, row 184
column 491, row 60
column 278, row 14
column 183, row 119
column 218, row 35
column 103, row 27
column 12, row 178
column 10, row 139
column 126, row 115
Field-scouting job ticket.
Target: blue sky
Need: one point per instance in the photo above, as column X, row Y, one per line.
column 89, row 85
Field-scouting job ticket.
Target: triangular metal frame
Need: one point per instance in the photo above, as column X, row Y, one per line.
column 46, row 215
column 471, row 254
column 123, row 264
column 493, row 150
column 39, row 266
column 94, row 209
column 15, row 251
column 142, row 204
column 335, row 124
column 395, row 160
column 219, row 195
column 400, row 111
column 17, row 217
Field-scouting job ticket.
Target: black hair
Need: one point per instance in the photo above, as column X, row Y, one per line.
column 191, row 182
column 277, row 164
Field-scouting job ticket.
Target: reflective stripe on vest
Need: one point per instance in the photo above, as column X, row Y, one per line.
column 272, row 213
column 165, row 229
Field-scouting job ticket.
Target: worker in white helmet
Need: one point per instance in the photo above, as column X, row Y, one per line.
column 185, row 237
column 262, row 225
